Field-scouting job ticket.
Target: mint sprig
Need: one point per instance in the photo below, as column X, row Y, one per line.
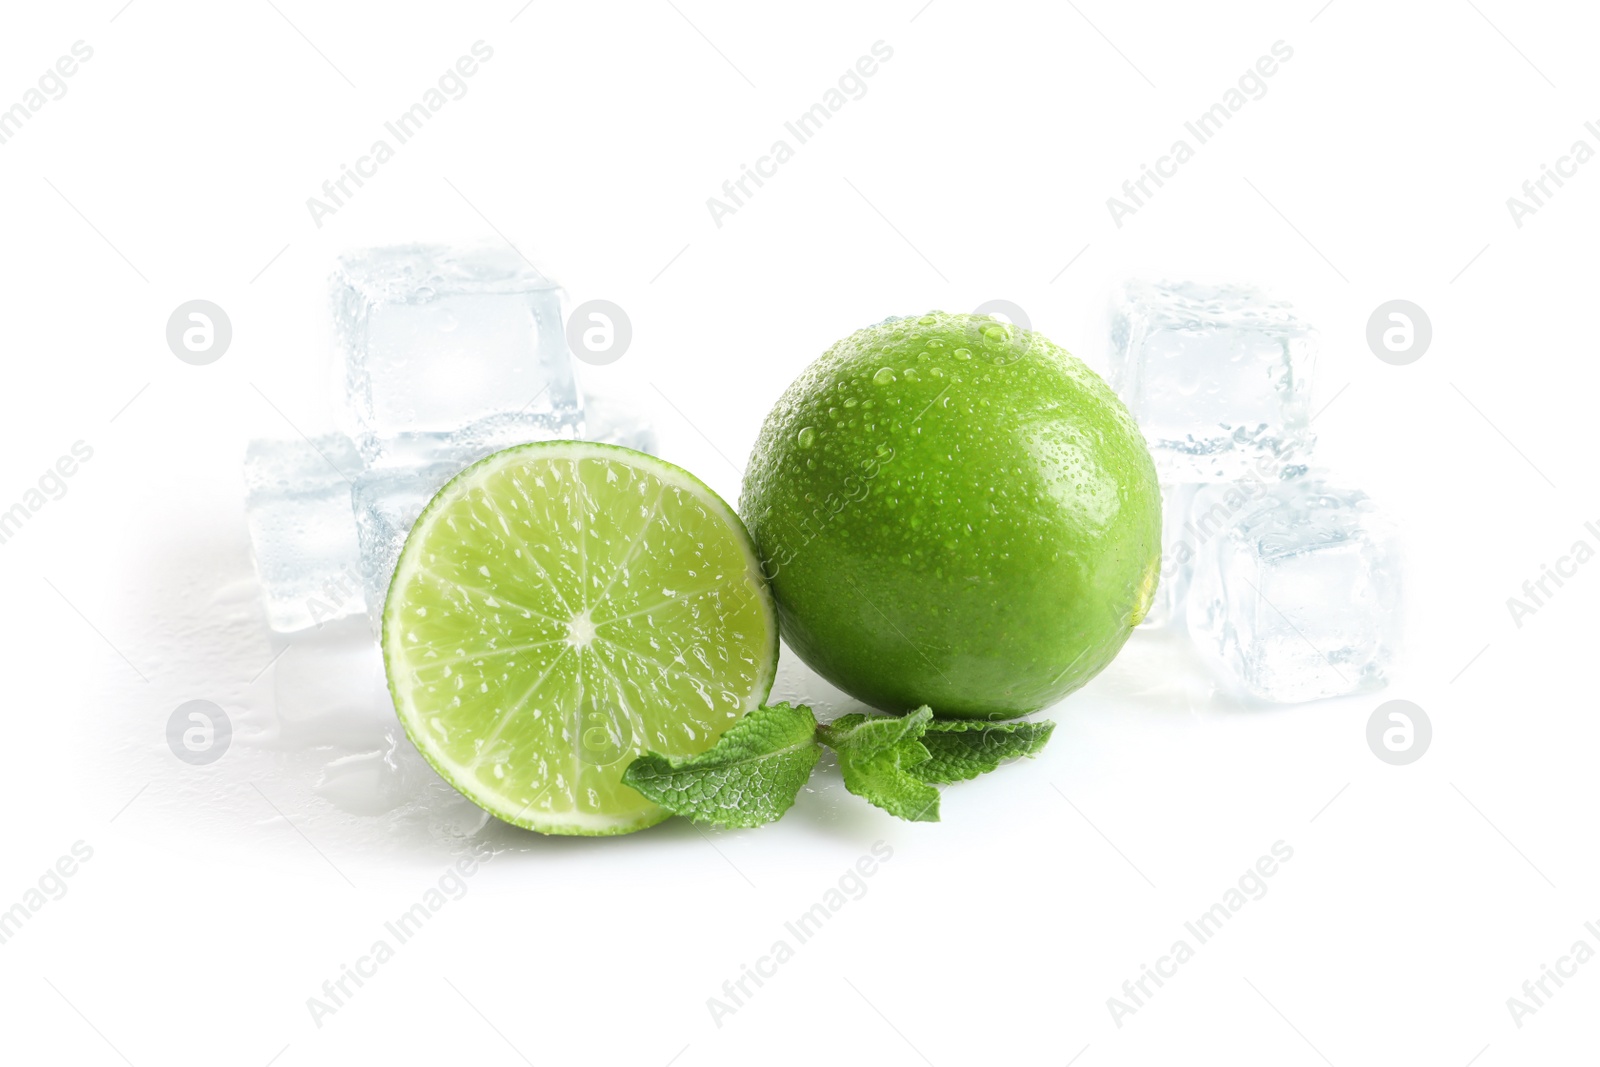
column 748, row 778
column 754, row 772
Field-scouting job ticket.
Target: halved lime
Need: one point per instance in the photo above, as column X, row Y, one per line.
column 558, row 609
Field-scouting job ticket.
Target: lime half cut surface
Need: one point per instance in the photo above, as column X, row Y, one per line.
column 560, row 608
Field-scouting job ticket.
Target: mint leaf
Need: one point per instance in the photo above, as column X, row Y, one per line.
column 875, row 754
column 749, row 777
column 959, row 750
column 870, row 734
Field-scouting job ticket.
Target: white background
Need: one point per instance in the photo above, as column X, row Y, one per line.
column 977, row 166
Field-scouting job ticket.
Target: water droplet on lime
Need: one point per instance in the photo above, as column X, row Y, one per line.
column 883, row 377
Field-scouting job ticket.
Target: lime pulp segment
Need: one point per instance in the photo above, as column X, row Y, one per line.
column 560, row 608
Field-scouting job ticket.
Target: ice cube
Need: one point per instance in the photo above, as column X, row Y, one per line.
column 387, row 498
column 297, row 508
column 465, row 342
column 1298, row 597
column 1188, row 523
column 1218, row 378
column 617, row 422
column 1177, row 556
column 387, row 501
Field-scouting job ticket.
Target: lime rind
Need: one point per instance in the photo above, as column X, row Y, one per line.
column 533, row 647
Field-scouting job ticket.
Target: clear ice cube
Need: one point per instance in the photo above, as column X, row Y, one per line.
column 387, row 501
column 615, row 422
column 1298, row 597
column 297, row 508
column 1177, row 556
column 465, row 342
column 388, row 498
column 1217, row 377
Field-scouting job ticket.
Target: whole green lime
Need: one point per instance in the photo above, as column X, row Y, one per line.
column 956, row 512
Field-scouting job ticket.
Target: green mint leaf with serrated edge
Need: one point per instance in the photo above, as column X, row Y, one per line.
column 750, row 777
column 959, row 750
column 876, row 754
